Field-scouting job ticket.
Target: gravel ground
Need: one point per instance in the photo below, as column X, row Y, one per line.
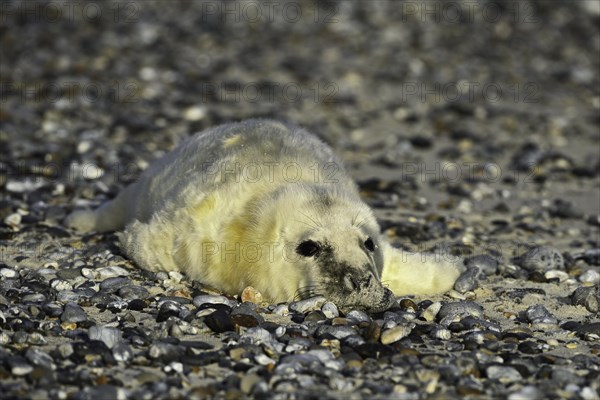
column 472, row 128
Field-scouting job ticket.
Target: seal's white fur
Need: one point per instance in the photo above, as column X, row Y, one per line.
column 229, row 205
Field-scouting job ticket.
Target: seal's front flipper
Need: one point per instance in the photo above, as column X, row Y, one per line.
column 407, row 273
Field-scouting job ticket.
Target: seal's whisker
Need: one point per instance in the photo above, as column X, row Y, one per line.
column 317, row 224
column 306, row 292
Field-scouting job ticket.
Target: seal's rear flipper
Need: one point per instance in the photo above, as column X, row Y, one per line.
column 110, row 216
column 407, row 272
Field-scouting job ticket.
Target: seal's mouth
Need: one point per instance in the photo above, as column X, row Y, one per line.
column 387, row 302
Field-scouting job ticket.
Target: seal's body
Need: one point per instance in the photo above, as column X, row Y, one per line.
column 268, row 205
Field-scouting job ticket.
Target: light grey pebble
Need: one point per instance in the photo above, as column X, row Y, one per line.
column 541, row 258
column 358, row 316
column 337, row 331
column 468, row 280
column 504, row 374
column 587, row 296
column 590, row 276
column 440, row 333
column 19, row 366
column 65, row 350
column 37, row 339
column 122, row 352
column 8, row 273
column 37, row 356
column 431, row 311
column 330, row 310
column 304, row 306
column 527, row 393
column 73, row 313
column 538, row 314
column 111, row 272
column 281, row 309
column 486, row 263
column 33, row 298
column 396, row 333
column 561, row 276
column 213, row 299
column 110, row 336
column 460, row 308
column 60, row 284
column 65, row 296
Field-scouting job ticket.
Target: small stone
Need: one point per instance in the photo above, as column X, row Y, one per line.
column 396, row 333
column 73, row 313
column 69, row 273
column 132, row 292
column 251, row 295
column 542, row 258
column 122, row 352
column 431, row 311
column 538, row 314
column 587, row 296
column 338, row 331
column 460, row 308
column 110, row 272
column 527, row 393
column 19, row 366
column 486, row 263
column 555, row 275
column 440, row 333
column 60, row 285
column 304, row 306
column 245, row 315
column 468, row 280
column 112, row 285
column 590, row 276
column 282, row 310
column 248, row 381
column 330, row 310
column 213, row 299
column 110, row 336
column 503, row 374
column 194, row 113
column 8, row 273
column 219, row 321
column 40, row 358
column 357, row 316
column 13, row 220
column 168, row 309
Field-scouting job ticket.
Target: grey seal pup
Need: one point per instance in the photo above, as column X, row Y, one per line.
column 265, row 204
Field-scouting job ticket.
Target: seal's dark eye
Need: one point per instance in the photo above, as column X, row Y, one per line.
column 369, row 244
column 308, row 248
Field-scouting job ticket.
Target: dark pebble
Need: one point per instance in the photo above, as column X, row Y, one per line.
column 587, row 296
column 112, row 285
column 136, row 305
column 168, row 309
column 542, row 258
column 486, row 263
column 245, row 315
column 529, row 347
column 131, row 292
column 219, row 321
column 73, row 313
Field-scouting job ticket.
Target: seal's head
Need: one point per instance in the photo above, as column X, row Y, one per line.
column 329, row 246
